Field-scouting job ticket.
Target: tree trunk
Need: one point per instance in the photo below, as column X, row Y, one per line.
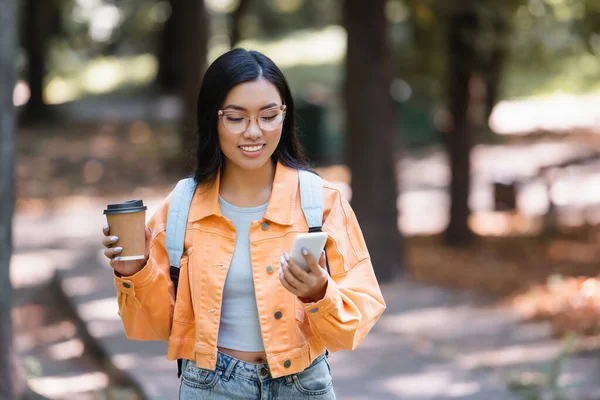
column 171, row 51
column 183, row 62
column 372, row 133
column 38, row 26
column 194, row 35
column 236, row 17
column 10, row 382
column 462, row 30
column 501, row 27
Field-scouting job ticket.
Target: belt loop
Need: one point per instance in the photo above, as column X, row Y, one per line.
column 229, row 370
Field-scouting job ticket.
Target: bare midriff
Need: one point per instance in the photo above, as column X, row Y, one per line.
column 253, row 357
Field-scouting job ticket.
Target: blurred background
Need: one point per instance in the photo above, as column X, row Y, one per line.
column 467, row 137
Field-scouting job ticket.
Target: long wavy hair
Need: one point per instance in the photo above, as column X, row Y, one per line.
column 231, row 69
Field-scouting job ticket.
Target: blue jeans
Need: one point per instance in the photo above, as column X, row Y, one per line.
column 236, row 379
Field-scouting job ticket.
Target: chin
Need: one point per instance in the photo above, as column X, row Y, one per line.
column 250, row 164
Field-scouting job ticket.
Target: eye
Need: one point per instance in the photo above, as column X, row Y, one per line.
column 234, row 117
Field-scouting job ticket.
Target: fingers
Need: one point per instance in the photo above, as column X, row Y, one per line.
column 112, row 252
column 294, row 280
column 287, row 285
column 297, row 271
column 108, row 241
column 312, row 263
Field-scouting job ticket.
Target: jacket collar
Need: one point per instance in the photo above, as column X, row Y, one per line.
column 280, row 208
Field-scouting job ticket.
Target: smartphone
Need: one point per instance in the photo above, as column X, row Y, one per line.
column 313, row 242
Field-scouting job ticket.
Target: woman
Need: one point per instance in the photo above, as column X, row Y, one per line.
column 245, row 331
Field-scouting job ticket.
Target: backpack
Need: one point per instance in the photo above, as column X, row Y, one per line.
column 311, row 199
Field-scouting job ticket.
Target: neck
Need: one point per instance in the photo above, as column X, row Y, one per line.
column 247, row 188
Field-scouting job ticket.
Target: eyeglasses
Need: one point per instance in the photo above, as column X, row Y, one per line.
column 237, row 122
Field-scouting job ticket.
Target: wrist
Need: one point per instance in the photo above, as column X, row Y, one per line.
column 320, row 295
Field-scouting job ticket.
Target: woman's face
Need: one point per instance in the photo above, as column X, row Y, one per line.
column 251, row 149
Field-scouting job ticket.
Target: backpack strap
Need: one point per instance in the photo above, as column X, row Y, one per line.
column 177, row 219
column 179, row 207
column 311, row 201
column 311, row 198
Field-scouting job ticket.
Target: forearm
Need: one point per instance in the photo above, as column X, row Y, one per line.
column 146, row 303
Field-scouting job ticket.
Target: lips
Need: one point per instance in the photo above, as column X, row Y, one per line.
column 252, row 148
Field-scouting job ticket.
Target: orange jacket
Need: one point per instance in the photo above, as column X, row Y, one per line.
column 351, row 306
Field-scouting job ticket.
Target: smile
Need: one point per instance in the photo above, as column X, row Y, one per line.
column 252, row 149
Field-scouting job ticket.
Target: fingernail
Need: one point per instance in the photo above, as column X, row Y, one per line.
column 117, row 258
column 150, row 229
column 118, row 249
column 114, row 238
column 304, row 251
column 286, row 256
column 282, row 260
column 105, row 227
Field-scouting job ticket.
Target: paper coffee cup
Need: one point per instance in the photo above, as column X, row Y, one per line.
column 127, row 221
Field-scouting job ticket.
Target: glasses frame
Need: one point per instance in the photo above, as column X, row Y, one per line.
column 282, row 107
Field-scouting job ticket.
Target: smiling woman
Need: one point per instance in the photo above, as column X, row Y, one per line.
column 244, row 317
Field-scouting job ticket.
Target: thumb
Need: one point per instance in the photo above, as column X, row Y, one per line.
column 148, row 239
column 323, row 260
column 319, row 266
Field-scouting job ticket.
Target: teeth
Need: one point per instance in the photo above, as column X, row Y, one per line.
column 251, row 148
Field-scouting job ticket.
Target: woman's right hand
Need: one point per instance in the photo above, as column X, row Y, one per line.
column 123, row 268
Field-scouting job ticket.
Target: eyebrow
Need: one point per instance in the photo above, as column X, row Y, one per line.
column 239, row 108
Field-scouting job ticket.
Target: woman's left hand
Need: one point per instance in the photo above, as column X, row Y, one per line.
column 310, row 285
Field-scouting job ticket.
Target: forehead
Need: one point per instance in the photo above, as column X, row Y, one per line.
column 253, row 95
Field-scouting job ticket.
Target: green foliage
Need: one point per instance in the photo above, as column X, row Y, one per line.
column 539, row 385
column 548, row 41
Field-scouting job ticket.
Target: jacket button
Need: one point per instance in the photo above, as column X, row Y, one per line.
column 287, row 363
column 269, row 268
column 265, row 226
column 278, row 315
column 126, row 285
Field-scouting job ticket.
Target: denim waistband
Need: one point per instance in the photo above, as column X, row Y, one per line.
column 259, row 372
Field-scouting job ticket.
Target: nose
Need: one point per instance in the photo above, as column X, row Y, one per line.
column 253, row 130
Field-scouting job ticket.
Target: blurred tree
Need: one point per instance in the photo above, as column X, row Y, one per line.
column 477, row 46
column 11, row 383
column 194, row 36
column 171, row 50
column 463, row 26
column 183, row 61
column 494, row 51
column 372, row 133
column 41, row 21
column 591, row 25
column 236, row 17
column 274, row 18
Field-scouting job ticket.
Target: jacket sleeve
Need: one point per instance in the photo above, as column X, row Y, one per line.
column 146, row 299
column 353, row 301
